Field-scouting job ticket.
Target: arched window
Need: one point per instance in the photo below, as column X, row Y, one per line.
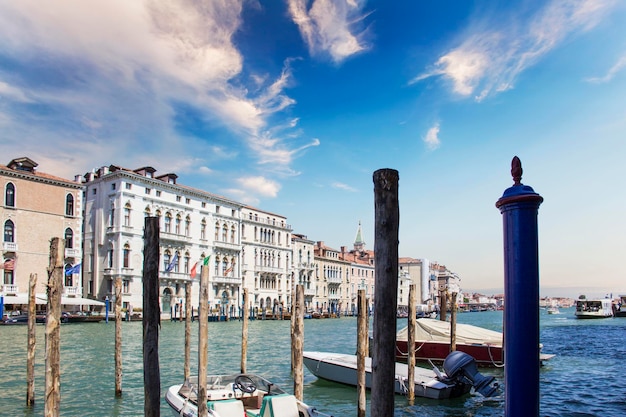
column 217, row 231
column 225, row 233
column 187, row 225
column 203, row 229
column 168, row 223
column 126, row 256
column 9, row 195
column 147, row 212
column 217, row 265
column 112, row 215
column 9, row 231
column 127, row 208
column 69, row 205
column 177, row 224
column 167, row 257
column 186, row 263
column 232, row 235
column 69, row 238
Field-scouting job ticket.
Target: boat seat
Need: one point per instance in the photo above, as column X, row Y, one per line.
column 282, row 405
column 227, row 408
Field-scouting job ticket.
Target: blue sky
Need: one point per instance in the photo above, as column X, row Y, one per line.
column 291, row 105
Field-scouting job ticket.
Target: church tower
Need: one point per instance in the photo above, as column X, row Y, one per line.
column 359, row 243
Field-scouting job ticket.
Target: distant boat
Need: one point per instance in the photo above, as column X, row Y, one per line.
column 553, row 310
column 620, row 307
column 594, row 309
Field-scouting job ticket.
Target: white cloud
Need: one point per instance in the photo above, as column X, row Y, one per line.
column 344, row 187
column 432, row 137
column 260, row 186
column 615, row 69
column 13, row 93
column 492, row 54
column 328, row 26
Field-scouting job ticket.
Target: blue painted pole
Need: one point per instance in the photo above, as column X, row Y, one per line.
column 1, row 306
column 519, row 206
column 106, row 309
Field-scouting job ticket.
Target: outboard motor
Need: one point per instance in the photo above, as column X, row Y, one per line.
column 461, row 365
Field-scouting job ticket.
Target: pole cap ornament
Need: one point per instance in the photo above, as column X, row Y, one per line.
column 518, row 192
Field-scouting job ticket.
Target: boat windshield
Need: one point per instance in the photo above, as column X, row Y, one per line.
column 215, row 382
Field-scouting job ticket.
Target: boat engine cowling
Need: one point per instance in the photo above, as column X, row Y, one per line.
column 461, row 365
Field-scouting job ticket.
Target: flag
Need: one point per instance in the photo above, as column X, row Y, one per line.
column 193, row 270
column 9, row 265
column 173, row 263
column 229, row 270
column 206, row 260
column 73, row 270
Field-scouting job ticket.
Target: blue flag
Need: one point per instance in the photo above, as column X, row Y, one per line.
column 173, row 263
column 73, row 270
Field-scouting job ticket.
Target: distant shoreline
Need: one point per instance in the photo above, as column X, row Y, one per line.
column 562, row 292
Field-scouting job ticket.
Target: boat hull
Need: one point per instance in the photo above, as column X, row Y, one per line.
column 484, row 355
column 343, row 369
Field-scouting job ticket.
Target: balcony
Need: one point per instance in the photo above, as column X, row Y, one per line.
column 226, row 245
column 271, row 269
column 73, row 253
column 220, row 279
column 173, row 237
column 73, row 291
column 305, row 265
column 9, row 246
column 9, row 289
column 309, row 292
column 175, row 276
column 335, row 280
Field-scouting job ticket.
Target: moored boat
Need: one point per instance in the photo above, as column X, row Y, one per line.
column 594, row 309
column 431, row 384
column 432, row 343
column 245, row 395
column 620, row 307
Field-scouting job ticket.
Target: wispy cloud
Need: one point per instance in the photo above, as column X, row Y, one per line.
column 331, row 26
column 432, row 137
column 492, row 54
column 615, row 69
column 77, row 86
column 260, row 186
column 344, row 187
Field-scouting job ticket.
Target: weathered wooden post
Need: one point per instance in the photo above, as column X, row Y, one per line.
column 361, row 352
column 30, row 355
column 411, row 343
column 118, row 336
column 188, row 315
column 244, row 332
column 53, row 328
column 519, row 206
column 203, row 342
column 453, row 322
column 387, row 219
column 443, row 305
column 151, row 319
column 297, row 345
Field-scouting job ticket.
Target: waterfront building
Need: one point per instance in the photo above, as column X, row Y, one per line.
column 361, row 275
column 37, row 207
column 303, row 268
column 194, row 226
column 332, row 280
column 267, row 258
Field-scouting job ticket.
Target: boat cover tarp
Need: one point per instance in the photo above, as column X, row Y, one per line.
column 71, row 301
column 19, row 299
column 439, row 331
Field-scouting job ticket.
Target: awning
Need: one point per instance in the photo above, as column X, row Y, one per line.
column 18, row 299
column 71, row 301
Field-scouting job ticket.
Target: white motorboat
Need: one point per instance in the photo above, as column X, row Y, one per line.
column 456, row 381
column 237, row 395
column 594, row 309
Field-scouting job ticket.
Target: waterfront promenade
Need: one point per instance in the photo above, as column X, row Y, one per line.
column 587, row 352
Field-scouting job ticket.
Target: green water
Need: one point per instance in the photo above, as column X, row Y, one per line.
column 88, row 380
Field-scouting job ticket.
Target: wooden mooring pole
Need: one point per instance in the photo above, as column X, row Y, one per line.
column 244, row 332
column 411, row 343
column 151, row 319
column 30, row 355
column 361, row 352
column 453, row 322
column 387, row 220
column 118, row 336
column 203, row 342
column 53, row 328
column 297, row 345
column 188, row 314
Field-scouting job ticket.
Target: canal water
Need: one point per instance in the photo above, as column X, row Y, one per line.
column 586, row 378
